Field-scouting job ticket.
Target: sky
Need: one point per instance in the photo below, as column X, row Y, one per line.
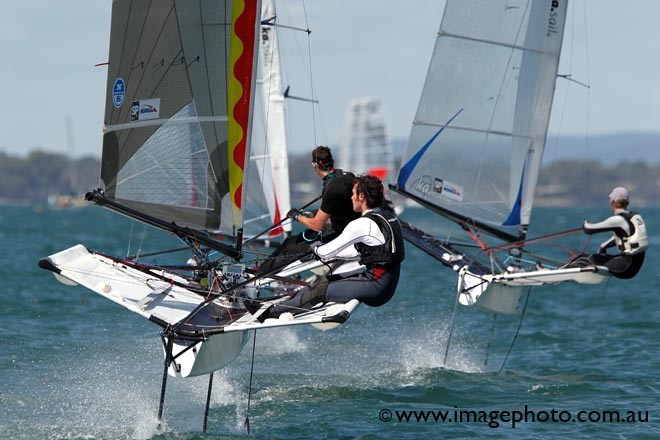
column 358, row 48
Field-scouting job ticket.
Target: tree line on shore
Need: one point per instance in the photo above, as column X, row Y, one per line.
column 31, row 179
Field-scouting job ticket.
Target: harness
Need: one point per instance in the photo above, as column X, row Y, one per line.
column 390, row 252
column 638, row 240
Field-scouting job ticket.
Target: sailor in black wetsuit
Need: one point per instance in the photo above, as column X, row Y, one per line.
column 628, row 235
column 374, row 245
column 336, row 208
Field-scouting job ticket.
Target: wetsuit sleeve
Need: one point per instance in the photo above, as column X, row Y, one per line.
column 362, row 230
column 615, row 224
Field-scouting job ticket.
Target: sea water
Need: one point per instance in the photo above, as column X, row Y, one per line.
column 74, row 365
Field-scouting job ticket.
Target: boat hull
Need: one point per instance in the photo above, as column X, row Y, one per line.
column 206, row 356
column 501, row 293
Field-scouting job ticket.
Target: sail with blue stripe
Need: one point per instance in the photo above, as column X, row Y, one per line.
column 478, row 135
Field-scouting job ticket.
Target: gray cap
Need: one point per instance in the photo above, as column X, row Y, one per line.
column 619, row 194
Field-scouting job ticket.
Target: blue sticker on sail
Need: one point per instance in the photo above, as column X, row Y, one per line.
column 408, row 168
column 514, row 215
column 118, row 92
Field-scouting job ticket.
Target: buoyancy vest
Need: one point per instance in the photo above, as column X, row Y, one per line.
column 392, row 251
column 638, row 240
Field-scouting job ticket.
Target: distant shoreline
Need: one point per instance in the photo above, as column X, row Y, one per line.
column 565, row 183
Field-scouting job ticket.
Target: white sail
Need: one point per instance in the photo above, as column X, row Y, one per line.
column 365, row 146
column 478, row 135
column 269, row 142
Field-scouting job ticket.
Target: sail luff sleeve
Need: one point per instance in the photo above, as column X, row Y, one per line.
column 537, row 92
column 242, row 70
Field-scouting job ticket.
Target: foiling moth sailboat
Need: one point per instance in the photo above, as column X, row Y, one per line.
column 184, row 152
column 476, row 145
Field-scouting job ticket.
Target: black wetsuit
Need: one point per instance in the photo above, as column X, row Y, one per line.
column 376, row 239
column 336, row 202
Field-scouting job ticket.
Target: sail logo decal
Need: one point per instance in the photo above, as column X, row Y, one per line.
column 118, row 92
column 422, row 185
column 448, row 189
column 145, row 109
column 553, row 19
column 409, row 167
column 239, row 95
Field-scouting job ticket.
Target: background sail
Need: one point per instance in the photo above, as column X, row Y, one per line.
column 365, row 146
column 478, row 135
column 168, row 149
column 269, row 196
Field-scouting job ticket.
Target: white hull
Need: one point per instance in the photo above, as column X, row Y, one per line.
column 168, row 304
column 216, row 352
column 501, row 293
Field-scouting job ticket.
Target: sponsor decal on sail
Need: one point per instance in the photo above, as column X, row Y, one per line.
column 427, row 184
column 145, row 109
column 118, row 92
column 422, row 185
column 448, row 189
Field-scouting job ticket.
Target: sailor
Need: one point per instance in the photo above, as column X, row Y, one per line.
column 330, row 219
column 374, row 245
column 628, row 235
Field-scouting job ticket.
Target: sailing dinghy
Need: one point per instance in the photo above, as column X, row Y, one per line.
column 184, row 152
column 476, row 144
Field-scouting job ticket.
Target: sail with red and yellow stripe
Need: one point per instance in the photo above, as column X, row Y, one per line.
column 179, row 107
column 242, row 69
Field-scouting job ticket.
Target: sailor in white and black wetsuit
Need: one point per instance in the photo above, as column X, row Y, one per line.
column 329, row 220
column 628, row 235
column 374, row 246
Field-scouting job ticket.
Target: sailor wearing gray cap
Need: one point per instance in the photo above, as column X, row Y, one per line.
column 628, row 235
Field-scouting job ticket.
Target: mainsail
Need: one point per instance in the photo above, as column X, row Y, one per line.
column 178, row 109
column 477, row 140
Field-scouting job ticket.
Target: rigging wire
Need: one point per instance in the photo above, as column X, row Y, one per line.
column 130, row 239
column 311, row 72
column 522, row 316
column 490, row 338
column 144, row 233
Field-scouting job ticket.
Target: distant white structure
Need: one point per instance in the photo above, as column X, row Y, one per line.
column 365, row 146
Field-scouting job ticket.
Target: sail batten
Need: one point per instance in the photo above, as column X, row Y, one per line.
column 493, row 42
column 197, row 119
column 491, row 77
column 476, row 130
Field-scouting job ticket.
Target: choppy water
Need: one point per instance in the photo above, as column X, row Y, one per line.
column 74, row 365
